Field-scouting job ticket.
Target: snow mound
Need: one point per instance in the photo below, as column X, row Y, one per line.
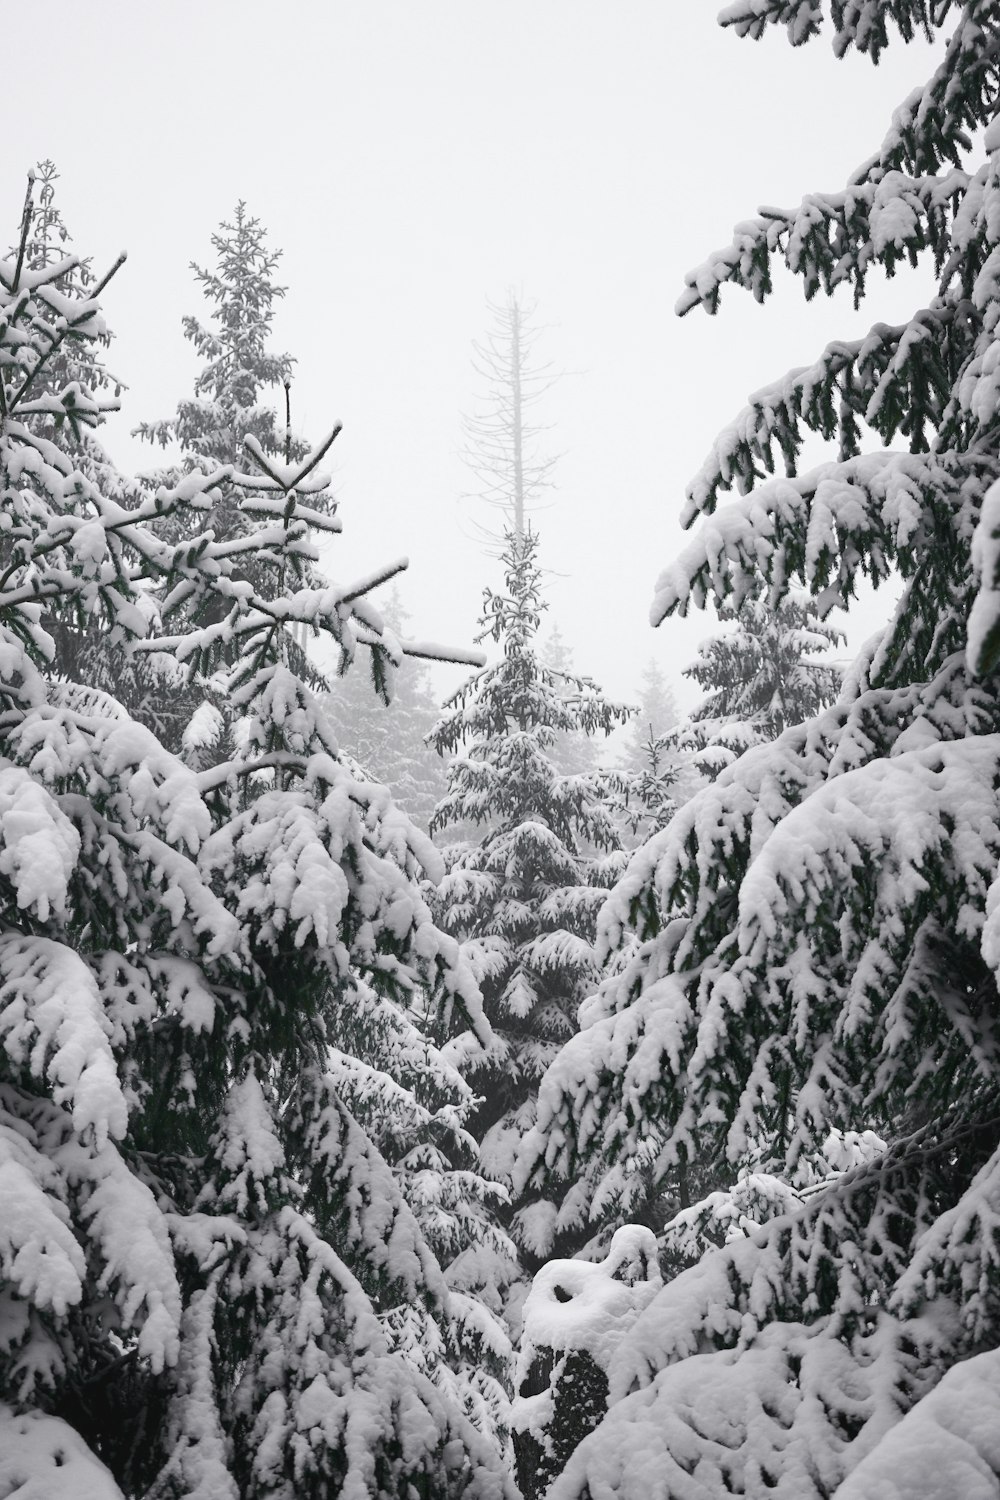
column 42, row 1458
column 579, row 1304
column 947, row 1446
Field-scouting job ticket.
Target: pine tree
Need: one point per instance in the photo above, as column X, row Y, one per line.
column 90, row 650
column 203, row 1250
column 389, row 740
column 759, row 678
column 656, row 716
column 655, row 775
column 572, row 753
column 817, row 930
column 229, row 404
column 524, row 897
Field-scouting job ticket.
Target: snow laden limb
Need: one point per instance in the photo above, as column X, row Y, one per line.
column 931, row 125
column 895, row 380
column 208, row 1247
column 52, row 1023
column 834, row 995
column 811, row 944
column 829, row 239
column 786, row 1416
column 946, row 1445
column 859, row 23
column 43, row 1456
column 727, row 1383
column 837, row 524
column 75, row 1198
column 899, row 203
column 245, row 643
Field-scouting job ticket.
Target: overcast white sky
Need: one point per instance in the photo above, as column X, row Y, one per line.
column 413, row 159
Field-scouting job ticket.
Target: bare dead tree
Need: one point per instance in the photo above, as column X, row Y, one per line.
column 500, row 439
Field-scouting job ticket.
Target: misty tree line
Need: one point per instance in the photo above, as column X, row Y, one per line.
column 678, row 1070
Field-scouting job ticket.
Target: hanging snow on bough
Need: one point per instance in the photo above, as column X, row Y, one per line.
column 207, row 1250
column 43, row 1458
column 811, row 944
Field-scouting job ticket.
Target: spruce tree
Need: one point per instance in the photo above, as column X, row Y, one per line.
column 204, row 1252
column 656, row 716
column 388, row 740
column 817, row 930
column 75, row 361
column 238, row 366
column 430, row 1152
column 524, row 896
column 573, row 753
column 90, row 648
column 239, row 376
column 656, row 776
column 759, row 678
column 234, row 390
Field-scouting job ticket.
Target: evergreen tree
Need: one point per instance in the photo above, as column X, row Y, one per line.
column 759, row 679
column 817, row 930
column 572, row 753
column 655, row 775
column 203, row 1250
column 229, row 404
column 76, row 361
column 646, row 798
column 90, row 649
column 389, row 740
column 524, row 897
column 430, row 1152
column 227, row 407
column 656, row 717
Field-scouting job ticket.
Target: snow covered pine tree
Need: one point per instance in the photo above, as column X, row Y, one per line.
column 656, row 777
column 84, row 653
column 759, row 679
column 210, row 427
column 819, row 929
column 524, row 898
column 410, row 1101
column 202, row 1250
column 390, row 739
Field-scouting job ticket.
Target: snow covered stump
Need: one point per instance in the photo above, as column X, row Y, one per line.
column 574, row 1318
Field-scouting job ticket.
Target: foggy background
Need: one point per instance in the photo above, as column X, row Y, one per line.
column 414, row 160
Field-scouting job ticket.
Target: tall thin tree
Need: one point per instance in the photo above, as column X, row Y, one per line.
column 501, row 438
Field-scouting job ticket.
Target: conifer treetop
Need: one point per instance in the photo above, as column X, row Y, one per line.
column 509, row 714
column 238, row 364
